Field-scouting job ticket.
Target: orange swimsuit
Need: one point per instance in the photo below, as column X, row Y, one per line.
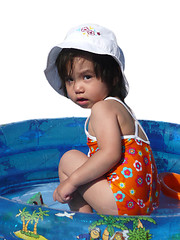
column 134, row 180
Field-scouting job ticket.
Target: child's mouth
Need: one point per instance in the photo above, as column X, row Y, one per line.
column 82, row 101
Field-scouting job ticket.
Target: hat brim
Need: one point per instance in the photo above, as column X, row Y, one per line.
column 51, row 71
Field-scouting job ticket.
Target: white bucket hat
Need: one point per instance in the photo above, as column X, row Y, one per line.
column 88, row 37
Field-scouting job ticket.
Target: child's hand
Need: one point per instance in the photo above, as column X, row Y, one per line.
column 63, row 193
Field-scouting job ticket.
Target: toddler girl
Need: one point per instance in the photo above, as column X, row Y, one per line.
column 119, row 175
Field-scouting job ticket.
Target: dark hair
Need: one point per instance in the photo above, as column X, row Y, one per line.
column 105, row 67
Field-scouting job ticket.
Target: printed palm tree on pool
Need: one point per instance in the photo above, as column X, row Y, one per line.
column 27, row 218
column 25, row 215
column 113, row 222
column 36, row 216
column 139, row 232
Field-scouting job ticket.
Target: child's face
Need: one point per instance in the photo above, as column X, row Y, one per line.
column 82, row 85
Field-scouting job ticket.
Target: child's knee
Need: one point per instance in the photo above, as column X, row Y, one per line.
column 72, row 159
column 69, row 156
column 66, row 158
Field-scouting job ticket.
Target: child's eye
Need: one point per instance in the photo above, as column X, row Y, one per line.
column 68, row 79
column 86, row 77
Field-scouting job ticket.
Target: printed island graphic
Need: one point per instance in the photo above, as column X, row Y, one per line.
column 116, row 227
column 27, row 219
column 138, row 231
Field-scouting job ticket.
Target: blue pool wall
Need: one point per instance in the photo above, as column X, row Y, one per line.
column 30, row 153
column 31, row 150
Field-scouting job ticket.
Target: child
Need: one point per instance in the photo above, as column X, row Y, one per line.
column 119, row 175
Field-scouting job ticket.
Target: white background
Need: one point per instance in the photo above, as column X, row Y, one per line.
column 146, row 30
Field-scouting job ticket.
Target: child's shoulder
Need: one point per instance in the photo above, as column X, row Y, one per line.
column 109, row 104
column 114, row 109
column 109, row 107
column 102, row 106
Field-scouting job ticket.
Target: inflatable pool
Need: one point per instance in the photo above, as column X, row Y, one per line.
column 29, row 157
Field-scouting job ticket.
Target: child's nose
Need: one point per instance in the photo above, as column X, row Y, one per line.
column 78, row 87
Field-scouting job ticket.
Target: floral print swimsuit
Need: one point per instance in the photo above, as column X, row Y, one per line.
column 134, row 180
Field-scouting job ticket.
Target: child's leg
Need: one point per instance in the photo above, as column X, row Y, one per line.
column 77, row 203
column 96, row 194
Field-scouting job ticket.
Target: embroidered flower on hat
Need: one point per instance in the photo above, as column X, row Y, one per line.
column 89, row 31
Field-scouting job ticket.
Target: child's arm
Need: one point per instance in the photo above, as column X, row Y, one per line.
column 104, row 123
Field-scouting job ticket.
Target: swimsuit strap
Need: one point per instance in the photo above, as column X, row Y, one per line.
column 86, row 132
column 137, row 124
column 136, row 129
